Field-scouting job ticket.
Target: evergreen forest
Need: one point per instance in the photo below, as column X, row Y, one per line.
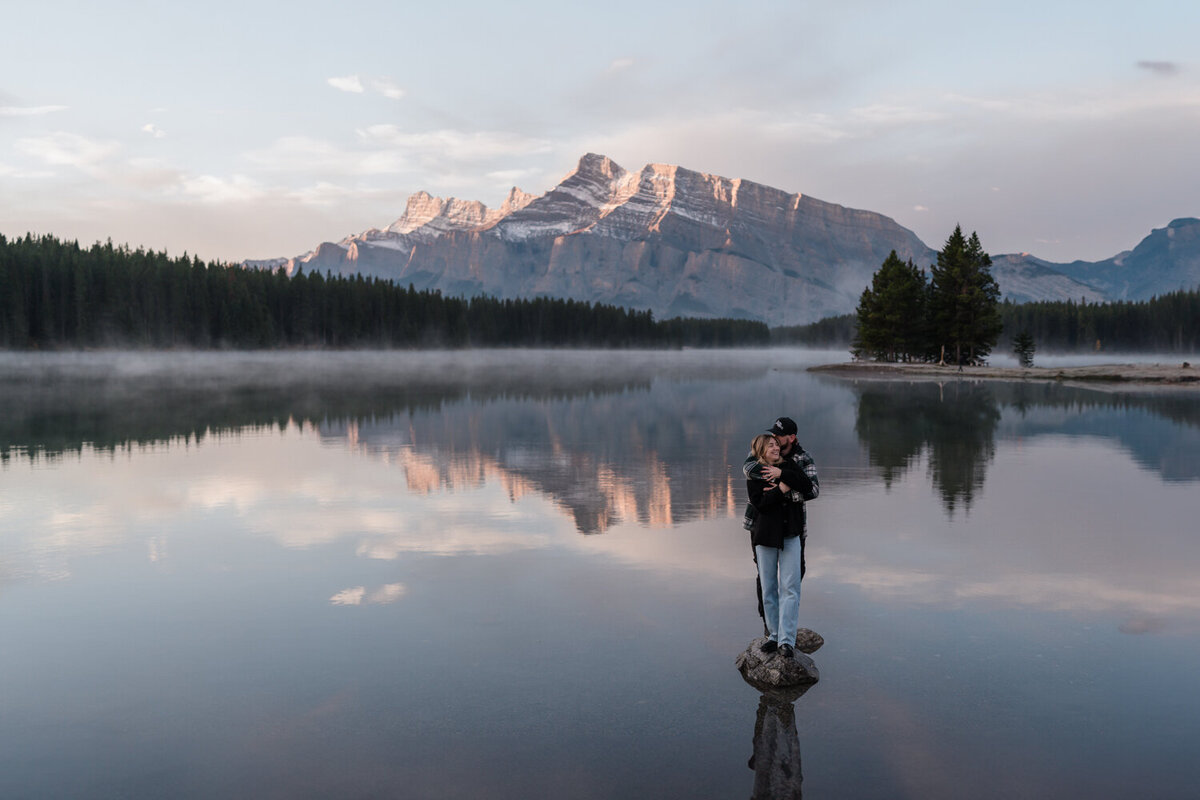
column 1166, row 324
column 56, row 294
column 951, row 318
column 955, row 315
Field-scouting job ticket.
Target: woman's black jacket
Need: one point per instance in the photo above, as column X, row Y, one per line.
column 778, row 518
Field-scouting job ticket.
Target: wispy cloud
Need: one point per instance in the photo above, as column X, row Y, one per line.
column 29, row 111
column 305, row 155
column 358, row 85
column 213, row 189
column 620, row 64
column 350, row 83
column 891, row 114
column 150, row 174
column 387, row 88
column 69, row 149
column 356, row 596
column 455, row 144
column 327, row 194
column 154, row 130
column 511, row 176
column 1159, row 67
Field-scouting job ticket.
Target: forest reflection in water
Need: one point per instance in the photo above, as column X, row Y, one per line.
column 955, row 426
column 653, row 440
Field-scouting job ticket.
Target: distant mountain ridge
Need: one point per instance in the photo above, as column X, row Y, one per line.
column 681, row 242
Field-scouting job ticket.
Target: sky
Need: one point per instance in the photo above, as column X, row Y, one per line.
column 256, row 130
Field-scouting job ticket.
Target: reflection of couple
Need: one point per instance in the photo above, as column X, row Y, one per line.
column 780, row 476
column 778, row 771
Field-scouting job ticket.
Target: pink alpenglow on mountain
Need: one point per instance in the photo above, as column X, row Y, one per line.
column 664, row 238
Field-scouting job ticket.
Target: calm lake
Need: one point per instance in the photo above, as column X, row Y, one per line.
column 523, row 574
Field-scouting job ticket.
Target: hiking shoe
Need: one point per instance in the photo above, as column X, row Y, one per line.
column 785, row 650
column 769, row 646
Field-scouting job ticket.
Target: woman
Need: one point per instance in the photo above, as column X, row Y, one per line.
column 778, row 536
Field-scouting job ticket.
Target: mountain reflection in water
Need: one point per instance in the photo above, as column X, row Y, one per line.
column 608, row 445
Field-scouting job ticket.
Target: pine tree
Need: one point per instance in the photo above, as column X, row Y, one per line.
column 891, row 312
column 1023, row 348
column 963, row 300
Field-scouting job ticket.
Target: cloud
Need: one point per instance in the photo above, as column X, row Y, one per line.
column 29, row 111
column 512, row 176
column 455, row 145
column 211, row 189
column 355, row 596
column 69, row 149
column 1159, row 67
column 441, row 159
column 387, row 88
column 350, row 83
column 349, row 597
column 621, row 63
column 9, row 171
column 154, row 130
column 301, row 154
column 324, row 193
column 150, row 174
column 891, row 115
column 920, row 208
column 354, row 84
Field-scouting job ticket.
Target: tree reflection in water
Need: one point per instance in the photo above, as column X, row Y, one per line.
column 954, row 425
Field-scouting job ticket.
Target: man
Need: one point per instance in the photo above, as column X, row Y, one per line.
column 784, row 430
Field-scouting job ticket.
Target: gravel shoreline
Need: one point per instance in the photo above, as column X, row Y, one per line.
column 1180, row 374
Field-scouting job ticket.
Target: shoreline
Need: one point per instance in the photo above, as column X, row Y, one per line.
column 1181, row 375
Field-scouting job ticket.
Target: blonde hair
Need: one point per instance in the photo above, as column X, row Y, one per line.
column 759, row 447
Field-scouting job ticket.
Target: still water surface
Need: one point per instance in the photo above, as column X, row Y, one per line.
column 523, row 575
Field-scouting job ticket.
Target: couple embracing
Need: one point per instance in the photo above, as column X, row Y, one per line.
column 780, row 477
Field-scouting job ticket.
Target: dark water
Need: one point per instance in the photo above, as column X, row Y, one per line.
column 523, row 575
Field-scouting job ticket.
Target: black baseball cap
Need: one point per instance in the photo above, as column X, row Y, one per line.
column 784, row 426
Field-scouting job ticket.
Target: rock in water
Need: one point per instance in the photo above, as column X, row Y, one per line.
column 771, row 672
column 808, row 641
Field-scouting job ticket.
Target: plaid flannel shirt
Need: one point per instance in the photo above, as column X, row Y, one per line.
column 751, row 469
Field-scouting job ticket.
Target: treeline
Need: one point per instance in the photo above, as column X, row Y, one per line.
column 1166, row 324
column 831, row 332
column 57, row 294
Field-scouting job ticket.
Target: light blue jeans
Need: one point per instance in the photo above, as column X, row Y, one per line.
column 779, row 572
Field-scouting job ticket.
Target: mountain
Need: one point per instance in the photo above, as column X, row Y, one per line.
column 1165, row 261
column 1024, row 278
column 666, row 238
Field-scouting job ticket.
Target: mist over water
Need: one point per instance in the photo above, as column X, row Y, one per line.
column 514, row 573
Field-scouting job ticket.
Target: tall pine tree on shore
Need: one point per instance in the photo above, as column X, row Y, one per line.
column 891, row 313
column 963, row 298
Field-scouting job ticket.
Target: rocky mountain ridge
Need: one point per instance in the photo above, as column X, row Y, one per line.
column 670, row 239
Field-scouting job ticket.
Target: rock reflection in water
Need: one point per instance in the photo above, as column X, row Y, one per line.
column 778, row 771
